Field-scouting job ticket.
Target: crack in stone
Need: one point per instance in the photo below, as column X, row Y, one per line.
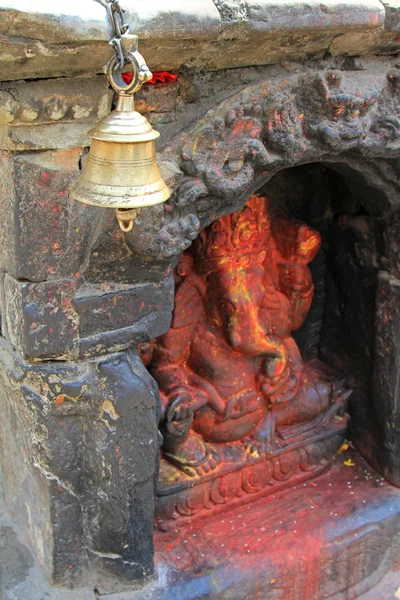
column 51, row 477
column 112, row 556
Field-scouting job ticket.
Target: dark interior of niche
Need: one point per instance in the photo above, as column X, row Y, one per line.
column 340, row 327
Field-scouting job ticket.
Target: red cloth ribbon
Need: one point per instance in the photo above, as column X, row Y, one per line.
column 158, row 77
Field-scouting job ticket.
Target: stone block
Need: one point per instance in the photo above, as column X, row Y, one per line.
column 46, row 40
column 274, row 15
column 7, row 207
column 61, row 320
column 161, row 98
column 40, row 319
column 79, row 449
column 47, row 137
column 387, row 376
column 392, row 244
column 8, row 107
column 271, row 31
column 124, row 317
column 198, row 19
column 44, row 231
column 43, row 40
column 46, row 101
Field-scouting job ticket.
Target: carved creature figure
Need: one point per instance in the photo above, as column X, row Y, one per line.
column 350, row 115
column 228, row 369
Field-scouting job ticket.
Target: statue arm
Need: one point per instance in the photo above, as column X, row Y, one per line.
column 171, row 353
column 296, row 245
column 172, row 350
column 296, row 284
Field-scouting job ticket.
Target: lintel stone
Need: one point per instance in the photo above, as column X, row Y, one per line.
column 71, row 38
column 270, row 15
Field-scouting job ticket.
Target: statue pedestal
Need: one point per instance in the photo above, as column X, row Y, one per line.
column 338, row 532
column 241, row 478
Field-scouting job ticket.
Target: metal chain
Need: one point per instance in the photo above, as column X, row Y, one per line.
column 119, row 27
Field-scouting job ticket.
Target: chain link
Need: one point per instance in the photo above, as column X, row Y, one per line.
column 119, row 28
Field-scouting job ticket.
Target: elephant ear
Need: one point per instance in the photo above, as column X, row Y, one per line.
column 295, row 241
column 188, row 302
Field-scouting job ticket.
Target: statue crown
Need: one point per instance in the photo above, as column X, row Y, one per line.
column 233, row 236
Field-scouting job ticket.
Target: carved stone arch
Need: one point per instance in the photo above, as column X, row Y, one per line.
column 216, row 164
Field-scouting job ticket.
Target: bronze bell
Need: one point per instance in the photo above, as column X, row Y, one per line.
column 121, row 171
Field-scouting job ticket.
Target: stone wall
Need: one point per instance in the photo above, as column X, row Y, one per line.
column 79, row 441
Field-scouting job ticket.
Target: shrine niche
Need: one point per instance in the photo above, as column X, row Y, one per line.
column 242, row 414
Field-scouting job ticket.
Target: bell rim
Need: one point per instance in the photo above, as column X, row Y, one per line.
column 108, row 201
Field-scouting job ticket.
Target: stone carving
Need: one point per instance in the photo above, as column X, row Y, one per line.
column 238, row 148
column 386, row 126
column 233, row 385
column 349, row 115
column 175, row 236
column 227, row 152
column 284, row 131
column 66, row 100
column 258, row 477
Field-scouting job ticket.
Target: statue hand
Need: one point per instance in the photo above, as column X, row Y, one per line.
column 179, row 414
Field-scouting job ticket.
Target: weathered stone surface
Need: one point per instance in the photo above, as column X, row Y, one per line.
column 40, row 319
column 68, row 39
column 55, row 320
column 81, row 439
column 117, row 320
column 387, row 375
column 198, row 19
column 51, row 114
column 42, row 211
column 392, row 14
column 44, row 232
column 73, row 99
column 45, row 137
column 310, row 543
column 269, row 31
column 21, row 577
column 157, row 98
column 16, row 561
column 8, row 107
column 7, row 206
column 271, row 15
column 392, row 244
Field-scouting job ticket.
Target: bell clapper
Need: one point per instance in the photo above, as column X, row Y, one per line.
column 126, row 217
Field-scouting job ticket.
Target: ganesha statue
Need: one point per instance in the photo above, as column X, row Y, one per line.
column 233, row 385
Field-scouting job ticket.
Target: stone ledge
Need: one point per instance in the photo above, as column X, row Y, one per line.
column 70, row 37
column 272, row 15
column 74, row 21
